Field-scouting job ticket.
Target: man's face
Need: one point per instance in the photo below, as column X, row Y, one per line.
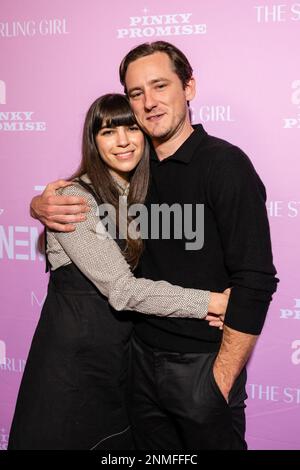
column 157, row 96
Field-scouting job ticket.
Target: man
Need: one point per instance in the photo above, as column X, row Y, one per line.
column 189, row 380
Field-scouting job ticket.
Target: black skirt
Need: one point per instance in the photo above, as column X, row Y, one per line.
column 74, row 390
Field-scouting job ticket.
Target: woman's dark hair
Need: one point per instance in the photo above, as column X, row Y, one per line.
column 180, row 63
column 113, row 110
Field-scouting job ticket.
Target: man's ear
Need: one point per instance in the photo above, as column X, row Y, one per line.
column 190, row 89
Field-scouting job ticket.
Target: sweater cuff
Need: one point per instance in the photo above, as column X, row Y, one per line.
column 247, row 310
column 199, row 302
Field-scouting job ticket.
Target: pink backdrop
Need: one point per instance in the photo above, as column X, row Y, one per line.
column 59, row 55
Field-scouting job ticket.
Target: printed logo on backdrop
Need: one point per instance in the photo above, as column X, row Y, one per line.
column 13, row 365
column 295, row 357
column 291, row 313
column 18, row 242
column 17, row 121
column 212, row 113
column 36, row 300
column 274, row 393
column 2, row 352
column 171, row 24
column 277, row 13
column 3, row 439
column 10, row 364
column 283, row 208
column 294, row 120
column 30, row 28
column 2, row 92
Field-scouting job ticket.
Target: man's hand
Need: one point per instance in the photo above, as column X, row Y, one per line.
column 58, row 212
column 234, row 353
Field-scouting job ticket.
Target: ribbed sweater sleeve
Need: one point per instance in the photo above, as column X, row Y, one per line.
column 238, row 198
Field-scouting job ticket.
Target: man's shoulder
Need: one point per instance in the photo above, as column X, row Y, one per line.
column 215, row 151
column 220, row 148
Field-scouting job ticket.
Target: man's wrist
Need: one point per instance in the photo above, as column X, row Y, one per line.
column 223, row 378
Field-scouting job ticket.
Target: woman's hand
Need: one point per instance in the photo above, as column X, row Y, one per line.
column 215, row 320
column 217, row 308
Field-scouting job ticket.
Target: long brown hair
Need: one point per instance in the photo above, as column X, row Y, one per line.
column 112, row 110
column 179, row 61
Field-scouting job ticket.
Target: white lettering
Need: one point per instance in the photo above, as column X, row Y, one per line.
column 16, row 115
column 34, row 299
column 293, row 211
column 17, row 28
column 261, row 392
column 296, row 10
column 272, row 13
column 296, row 94
column 122, row 33
column 171, row 19
column 295, row 358
column 53, row 27
column 13, row 365
column 175, row 24
column 6, row 242
column 21, row 126
column 274, row 208
column 134, row 20
column 186, row 29
column 287, row 313
column 215, row 113
column 185, row 17
column 2, row 352
column 2, row 92
column 30, row 28
column 274, row 393
column 291, row 122
column 9, row 242
column 286, row 393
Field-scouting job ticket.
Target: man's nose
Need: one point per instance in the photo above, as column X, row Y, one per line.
column 150, row 101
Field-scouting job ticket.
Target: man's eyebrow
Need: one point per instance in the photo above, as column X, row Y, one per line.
column 151, row 82
column 159, row 79
column 130, row 90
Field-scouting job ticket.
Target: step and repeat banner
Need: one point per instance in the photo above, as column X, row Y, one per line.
column 57, row 56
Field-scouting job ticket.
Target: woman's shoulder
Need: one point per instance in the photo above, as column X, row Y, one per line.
column 78, row 187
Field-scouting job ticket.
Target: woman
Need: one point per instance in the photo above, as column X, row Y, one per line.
column 74, row 388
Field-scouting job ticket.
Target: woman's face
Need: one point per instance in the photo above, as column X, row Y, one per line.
column 121, row 148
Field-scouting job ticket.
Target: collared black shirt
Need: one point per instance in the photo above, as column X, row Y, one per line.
column 236, row 251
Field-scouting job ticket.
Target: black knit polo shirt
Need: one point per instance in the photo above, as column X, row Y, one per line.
column 236, row 250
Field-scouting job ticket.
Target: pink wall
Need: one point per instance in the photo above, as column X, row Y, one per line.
column 57, row 56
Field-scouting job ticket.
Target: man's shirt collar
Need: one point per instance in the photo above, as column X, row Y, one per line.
column 185, row 152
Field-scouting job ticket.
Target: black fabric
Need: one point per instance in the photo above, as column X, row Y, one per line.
column 74, row 389
column 236, row 251
column 177, row 405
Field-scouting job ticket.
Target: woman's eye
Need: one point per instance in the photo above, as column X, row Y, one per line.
column 134, row 128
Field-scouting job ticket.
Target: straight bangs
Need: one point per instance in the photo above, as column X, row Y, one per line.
column 112, row 110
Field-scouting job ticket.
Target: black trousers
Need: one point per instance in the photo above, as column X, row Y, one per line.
column 177, row 405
